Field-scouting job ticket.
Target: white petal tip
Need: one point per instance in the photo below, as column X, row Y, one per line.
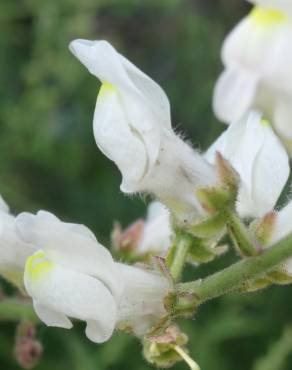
column 58, row 325
column 76, row 46
column 88, row 52
column 97, row 332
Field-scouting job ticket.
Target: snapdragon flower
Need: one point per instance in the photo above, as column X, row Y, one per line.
column 260, row 159
column 72, row 275
column 13, row 250
column 132, row 127
column 257, row 56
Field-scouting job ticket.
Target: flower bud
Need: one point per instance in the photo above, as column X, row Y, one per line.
column 159, row 350
column 146, row 238
column 28, row 350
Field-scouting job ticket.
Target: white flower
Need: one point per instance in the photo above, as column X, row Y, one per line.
column 72, row 275
column 257, row 56
column 13, row 251
column 257, row 155
column 132, row 127
column 157, row 232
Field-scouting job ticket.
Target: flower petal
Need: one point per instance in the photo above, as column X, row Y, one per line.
column 13, row 251
column 156, row 237
column 61, row 292
column 145, row 105
column 117, row 140
column 260, row 159
column 234, row 94
column 142, row 303
column 283, row 224
column 104, row 62
column 283, row 116
column 271, row 172
column 51, row 317
column 257, row 44
column 67, row 246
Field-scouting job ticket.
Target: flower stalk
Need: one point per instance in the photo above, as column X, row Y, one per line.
column 13, row 309
column 240, row 235
column 236, row 277
column 188, row 360
column 178, row 254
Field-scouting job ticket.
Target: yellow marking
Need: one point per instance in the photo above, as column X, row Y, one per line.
column 265, row 122
column 105, row 89
column 38, row 266
column 266, row 17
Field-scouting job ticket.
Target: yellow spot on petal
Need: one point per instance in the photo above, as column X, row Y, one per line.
column 266, row 17
column 106, row 88
column 38, row 266
column 265, row 122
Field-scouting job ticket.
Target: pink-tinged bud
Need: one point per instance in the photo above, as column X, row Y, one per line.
column 263, row 228
column 127, row 240
column 161, row 350
column 27, row 350
column 171, row 335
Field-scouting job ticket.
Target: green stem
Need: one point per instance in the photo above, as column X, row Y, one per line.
column 182, row 246
column 240, row 235
column 13, row 309
column 238, row 275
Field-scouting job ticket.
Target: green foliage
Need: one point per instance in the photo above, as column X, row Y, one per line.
column 49, row 160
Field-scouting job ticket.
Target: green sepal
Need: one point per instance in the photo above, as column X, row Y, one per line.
column 280, row 277
column 159, row 350
column 162, row 356
column 210, row 227
column 263, row 229
column 227, row 175
column 201, row 251
column 215, row 199
column 255, row 285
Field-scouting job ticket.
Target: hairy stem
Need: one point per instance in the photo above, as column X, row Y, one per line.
column 182, row 245
column 239, row 274
column 240, row 235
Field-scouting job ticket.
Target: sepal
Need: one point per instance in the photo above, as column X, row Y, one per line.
column 255, row 285
column 214, row 199
column 227, row 174
column 263, row 229
column 209, row 227
column 160, row 350
column 280, row 276
column 28, row 350
column 204, row 252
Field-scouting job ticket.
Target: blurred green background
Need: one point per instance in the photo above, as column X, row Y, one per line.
column 49, row 160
